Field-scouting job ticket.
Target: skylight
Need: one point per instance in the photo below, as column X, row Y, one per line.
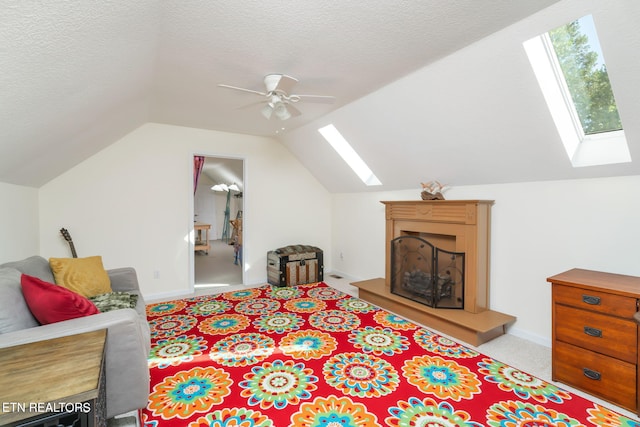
column 570, row 68
column 348, row 154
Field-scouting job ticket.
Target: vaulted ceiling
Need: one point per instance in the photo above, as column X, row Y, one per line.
column 425, row 89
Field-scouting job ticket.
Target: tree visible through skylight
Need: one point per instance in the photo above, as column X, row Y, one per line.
column 580, row 57
column 570, row 68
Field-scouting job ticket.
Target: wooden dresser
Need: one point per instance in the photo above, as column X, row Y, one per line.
column 595, row 338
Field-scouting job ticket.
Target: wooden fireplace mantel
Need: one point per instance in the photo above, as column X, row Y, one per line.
column 460, row 226
column 466, row 223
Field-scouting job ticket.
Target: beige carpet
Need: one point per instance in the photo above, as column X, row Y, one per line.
column 217, row 267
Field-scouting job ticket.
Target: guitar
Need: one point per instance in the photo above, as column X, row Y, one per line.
column 67, row 237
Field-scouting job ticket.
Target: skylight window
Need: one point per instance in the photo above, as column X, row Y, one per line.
column 570, row 68
column 349, row 155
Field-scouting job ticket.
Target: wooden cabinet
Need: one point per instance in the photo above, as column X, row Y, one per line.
column 595, row 338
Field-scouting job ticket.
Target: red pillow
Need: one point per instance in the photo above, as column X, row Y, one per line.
column 51, row 303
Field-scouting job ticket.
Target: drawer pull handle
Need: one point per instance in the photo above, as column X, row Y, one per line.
column 591, row 374
column 593, row 332
column 591, row 300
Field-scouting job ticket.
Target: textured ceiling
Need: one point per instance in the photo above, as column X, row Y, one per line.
column 425, row 89
column 337, row 48
column 78, row 75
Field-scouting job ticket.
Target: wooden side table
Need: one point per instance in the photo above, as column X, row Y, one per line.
column 53, row 382
column 202, row 243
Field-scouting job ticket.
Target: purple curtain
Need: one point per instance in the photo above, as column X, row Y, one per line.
column 198, row 163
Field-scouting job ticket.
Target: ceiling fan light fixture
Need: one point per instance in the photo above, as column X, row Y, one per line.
column 281, row 111
column 267, row 111
column 225, row 187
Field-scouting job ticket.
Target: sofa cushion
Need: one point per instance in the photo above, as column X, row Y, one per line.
column 14, row 313
column 85, row 276
column 114, row 301
column 35, row 266
column 51, row 303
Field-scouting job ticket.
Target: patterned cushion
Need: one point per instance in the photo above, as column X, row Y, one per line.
column 114, row 301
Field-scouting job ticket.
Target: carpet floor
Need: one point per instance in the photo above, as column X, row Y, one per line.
column 314, row 356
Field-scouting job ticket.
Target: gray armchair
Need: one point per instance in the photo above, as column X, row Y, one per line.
column 128, row 338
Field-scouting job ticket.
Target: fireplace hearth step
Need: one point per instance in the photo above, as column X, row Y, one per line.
column 472, row 328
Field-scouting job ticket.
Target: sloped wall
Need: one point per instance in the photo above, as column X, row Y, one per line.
column 132, row 203
column 18, row 222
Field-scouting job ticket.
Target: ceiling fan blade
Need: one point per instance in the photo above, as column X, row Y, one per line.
column 243, row 89
column 313, row 98
column 285, row 83
column 253, row 104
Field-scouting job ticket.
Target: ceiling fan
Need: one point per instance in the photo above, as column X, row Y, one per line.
column 278, row 97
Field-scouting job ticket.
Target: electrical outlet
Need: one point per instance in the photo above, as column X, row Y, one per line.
column 156, row 274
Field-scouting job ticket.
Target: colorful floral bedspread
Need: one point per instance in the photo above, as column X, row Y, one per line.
column 313, row 356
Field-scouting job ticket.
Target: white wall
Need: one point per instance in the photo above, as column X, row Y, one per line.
column 538, row 229
column 132, row 203
column 19, row 230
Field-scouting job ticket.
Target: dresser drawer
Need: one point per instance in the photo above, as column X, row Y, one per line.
column 602, row 302
column 609, row 378
column 611, row 336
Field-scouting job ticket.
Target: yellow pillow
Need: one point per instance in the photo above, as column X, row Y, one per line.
column 84, row 276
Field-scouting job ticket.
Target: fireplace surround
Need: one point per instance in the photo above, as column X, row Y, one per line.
column 459, row 233
column 460, row 226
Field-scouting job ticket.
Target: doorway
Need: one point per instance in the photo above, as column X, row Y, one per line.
column 218, row 207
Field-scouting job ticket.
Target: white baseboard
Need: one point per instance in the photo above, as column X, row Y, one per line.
column 167, row 296
column 538, row 339
column 343, row 275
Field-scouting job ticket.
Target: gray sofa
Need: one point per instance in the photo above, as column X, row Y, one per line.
column 128, row 338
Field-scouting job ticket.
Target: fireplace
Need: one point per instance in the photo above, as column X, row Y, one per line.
column 460, row 227
column 437, row 268
column 427, row 274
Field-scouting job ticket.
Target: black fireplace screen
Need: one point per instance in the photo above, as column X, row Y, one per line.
column 427, row 274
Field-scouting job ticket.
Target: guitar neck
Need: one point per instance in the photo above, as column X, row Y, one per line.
column 73, row 250
column 67, row 237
